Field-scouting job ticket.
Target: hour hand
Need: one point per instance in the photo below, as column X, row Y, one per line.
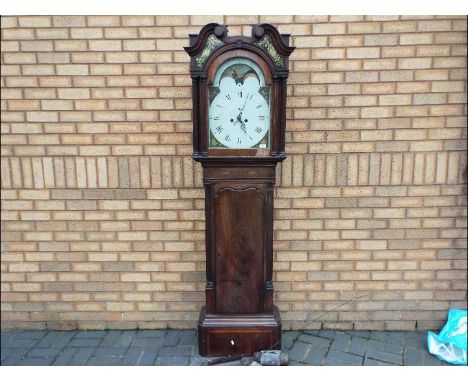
column 239, row 119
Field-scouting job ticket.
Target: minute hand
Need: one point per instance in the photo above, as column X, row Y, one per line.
column 245, row 103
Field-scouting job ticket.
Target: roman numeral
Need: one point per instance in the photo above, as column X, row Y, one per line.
column 216, row 118
column 259, row 106
column 219, row 128
column 261, row 117
column 219, row 106
column 258, row 130
column 239, row 140
column 228, row 96
column 227, row 138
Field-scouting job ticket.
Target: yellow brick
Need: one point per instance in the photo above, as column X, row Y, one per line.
column 103, row 205
column 362, row 53
column 365, row 27
column 103, row 21
column 86, row 33
column 105, row 45
column 345, row 41
column 172, row 20
column 310, row 41
column 70, row 45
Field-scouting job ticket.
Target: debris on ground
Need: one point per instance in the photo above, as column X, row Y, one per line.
column 450, row 344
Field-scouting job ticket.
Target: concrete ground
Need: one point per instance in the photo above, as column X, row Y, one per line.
column 179, row 347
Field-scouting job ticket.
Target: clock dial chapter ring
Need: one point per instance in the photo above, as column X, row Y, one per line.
column 239, row 115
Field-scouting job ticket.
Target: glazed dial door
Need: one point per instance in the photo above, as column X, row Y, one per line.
column 239, row 112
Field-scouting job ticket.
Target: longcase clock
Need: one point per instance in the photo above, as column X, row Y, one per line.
column 239, row 117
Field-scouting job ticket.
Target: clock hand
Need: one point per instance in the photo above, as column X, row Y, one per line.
column 245, row 103
column 243, row 128
column 239, row 119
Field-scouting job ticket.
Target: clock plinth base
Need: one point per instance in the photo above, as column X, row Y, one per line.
column 231, row 335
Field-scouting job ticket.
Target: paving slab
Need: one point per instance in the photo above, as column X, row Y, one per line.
column 36, row 362
column 172, row 337
column 384, row 356
column 152, row 342
column 109, row 352
column 379, row 336
column 65, row 357
column 176, row 351
column 340, row 358
column 188, row 337
column 180, row 347
column 341, row 341
column 132, row 357
column 5, row 353
column 85, row 342
column 17, row 343
column 197, row 361
column 148, row 357
column 358, row 345
column 81, row 357
column 359, row 333
column 326, row 334
column 173, row 361
column 150, row 333
column 385, row 347
column 396, row 338
column 299, row 351
column 15, row 356
column 5, row 337
column 315, row 341
column 63, row 339
column 316, row 356
column 104, row 361
column 124, row 340
column 43, row 353
column 49, row 339
column 88, row 334
column 30, row 335
column 287, row 339
column 111, row 338
column 416, row 340
column 373, row 362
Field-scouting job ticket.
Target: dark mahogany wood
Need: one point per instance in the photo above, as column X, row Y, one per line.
column 239, row 317
column 238, row 334
column 239, row 222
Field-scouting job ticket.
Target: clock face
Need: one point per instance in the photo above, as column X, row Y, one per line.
column 239, row 111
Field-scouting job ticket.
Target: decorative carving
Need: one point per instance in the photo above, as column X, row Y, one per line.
column 278, row 40
column 211, row 44
column 221, row 31
column 266, row 43
column 224, row 189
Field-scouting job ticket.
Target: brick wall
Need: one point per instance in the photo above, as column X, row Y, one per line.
column 103, row 208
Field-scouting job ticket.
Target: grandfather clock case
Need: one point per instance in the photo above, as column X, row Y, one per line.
column 239, row 118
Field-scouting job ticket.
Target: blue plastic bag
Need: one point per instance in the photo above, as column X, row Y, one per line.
column 450, row 344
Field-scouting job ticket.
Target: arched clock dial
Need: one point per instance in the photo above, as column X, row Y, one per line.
column 239, row 115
